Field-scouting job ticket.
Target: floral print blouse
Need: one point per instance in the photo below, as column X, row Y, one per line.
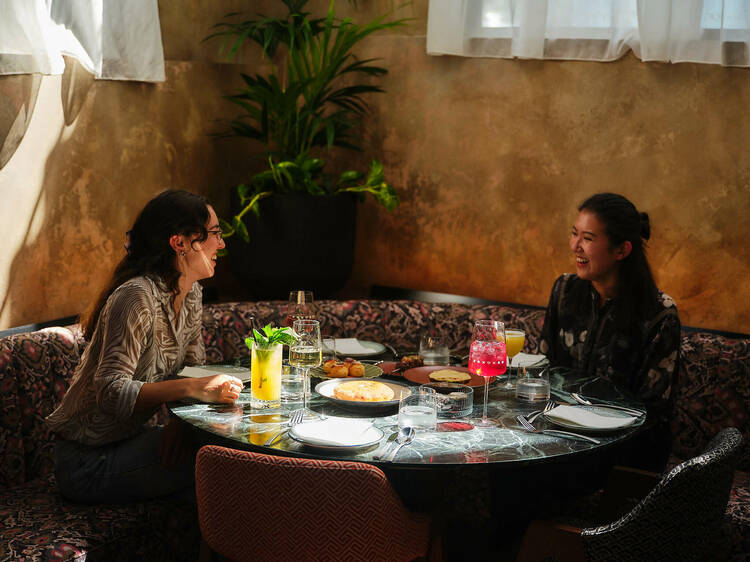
column 643, row 364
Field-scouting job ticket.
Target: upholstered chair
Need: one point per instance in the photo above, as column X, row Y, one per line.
column 681, row 518
column 260, row 507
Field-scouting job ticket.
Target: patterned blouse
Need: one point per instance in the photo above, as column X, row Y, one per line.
column 137, row 340
column 644, row 364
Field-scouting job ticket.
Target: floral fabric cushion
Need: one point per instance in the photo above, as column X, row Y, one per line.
column 38, row 525
column 713, row 392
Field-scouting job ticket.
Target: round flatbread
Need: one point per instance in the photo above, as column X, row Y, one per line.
column 449, row 375
column 363, row 391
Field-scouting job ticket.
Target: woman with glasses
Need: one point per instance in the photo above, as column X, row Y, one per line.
column 145, row 326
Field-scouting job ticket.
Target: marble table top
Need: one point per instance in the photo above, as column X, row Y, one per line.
column 240, row 426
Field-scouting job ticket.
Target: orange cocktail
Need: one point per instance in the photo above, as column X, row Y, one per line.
column 265, row 376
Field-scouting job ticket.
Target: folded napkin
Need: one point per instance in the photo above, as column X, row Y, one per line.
column 527, row 359
column 347, row 345
column 576, row 415
column 341, row 432
column 211, row 370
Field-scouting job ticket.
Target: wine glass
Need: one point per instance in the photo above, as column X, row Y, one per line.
column 300, row 307
column 306, row 352
column 514, row 340
column 487, row 358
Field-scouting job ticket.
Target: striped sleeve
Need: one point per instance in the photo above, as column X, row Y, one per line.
column 127, row 324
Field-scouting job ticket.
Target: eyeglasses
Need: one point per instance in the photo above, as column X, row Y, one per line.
column 216, row 232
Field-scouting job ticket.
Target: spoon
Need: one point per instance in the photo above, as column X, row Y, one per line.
column 404, row 437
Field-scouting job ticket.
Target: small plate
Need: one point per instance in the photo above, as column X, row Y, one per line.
column 242, row 373
column 421, row 375
column 369, row 437
column 374, row 348
column 601, row 410
column 371, row 372
column 325, row 389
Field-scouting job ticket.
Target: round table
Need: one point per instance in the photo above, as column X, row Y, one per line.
column 243, row 427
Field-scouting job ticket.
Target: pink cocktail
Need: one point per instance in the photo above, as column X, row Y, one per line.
column 488, row 358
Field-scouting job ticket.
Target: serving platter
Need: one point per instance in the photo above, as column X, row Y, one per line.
column 326, row 389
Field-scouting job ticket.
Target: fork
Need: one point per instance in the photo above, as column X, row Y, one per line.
column 534, row 415
column 554, row 432
column 294, row 418
column 581, row 400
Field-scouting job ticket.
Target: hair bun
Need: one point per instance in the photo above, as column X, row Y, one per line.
column 645, row 226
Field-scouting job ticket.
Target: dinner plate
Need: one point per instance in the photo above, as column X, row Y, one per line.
column 421, row 375
column 355, row 434
column 371, row 372
column 373, row 348
column 325, row 389
column 601, row 410
column 199, row 371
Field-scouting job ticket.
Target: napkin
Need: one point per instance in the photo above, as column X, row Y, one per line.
column 211, row 370
column 337, row 432
column 347, row 345
column 526, row 359
column 588, row 418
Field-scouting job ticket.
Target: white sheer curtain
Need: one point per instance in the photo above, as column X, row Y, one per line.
column 112, row 39
column 705, row 31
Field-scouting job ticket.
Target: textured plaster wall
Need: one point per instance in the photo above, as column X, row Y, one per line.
column 490, row 158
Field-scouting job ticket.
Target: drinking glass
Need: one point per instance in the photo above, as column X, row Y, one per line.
column 418, row 409
column 533, row 384
column 300, row 307
column 487, row 358
column 434, row 350
column 265, row 375
column 306, row 352
column 514, row 340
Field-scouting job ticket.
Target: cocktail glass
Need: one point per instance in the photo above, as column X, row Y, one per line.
column 265, row 376
column 299, row 307
column 514, row 340
column 487, row 358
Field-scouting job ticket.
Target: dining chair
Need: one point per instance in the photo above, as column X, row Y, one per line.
column 259, row 507
column 681, row 518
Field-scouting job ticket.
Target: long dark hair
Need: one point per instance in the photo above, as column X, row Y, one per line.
column 148, row 250
column 637, row 291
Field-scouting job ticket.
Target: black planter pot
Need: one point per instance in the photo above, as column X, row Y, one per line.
column 299, row 241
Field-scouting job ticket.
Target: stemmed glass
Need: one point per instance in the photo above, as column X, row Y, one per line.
column 514, row 340
column 306, row 352
column 487, row 358
column 300, row 307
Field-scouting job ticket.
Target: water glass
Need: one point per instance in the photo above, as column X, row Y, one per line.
column 292, row 383
column 434, row 350
column 418, row 410
column 532, row 384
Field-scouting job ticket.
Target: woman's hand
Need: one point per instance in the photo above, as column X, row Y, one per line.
column 223, row 389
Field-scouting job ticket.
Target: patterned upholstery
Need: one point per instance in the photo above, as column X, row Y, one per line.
column 682, row 518
column 260, row 507
column 37, row 524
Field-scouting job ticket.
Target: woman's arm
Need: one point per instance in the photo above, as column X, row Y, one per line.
column 223, row 389
column 657, row 374
column 547, row 344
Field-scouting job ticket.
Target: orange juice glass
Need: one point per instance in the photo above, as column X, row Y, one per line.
column 265, row 376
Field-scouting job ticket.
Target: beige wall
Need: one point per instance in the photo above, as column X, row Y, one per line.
column 490, row 158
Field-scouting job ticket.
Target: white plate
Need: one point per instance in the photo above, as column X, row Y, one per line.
column 602, row 411
column 242, row 373
column 373, row 348
column 355, row 434
column 371, row 372
column 325, row 388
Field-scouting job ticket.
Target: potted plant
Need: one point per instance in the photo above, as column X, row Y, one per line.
column 298, row 215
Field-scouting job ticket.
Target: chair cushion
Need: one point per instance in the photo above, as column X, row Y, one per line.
column 36, row 523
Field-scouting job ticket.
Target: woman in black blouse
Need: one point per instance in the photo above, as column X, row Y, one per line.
column 610, row 320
